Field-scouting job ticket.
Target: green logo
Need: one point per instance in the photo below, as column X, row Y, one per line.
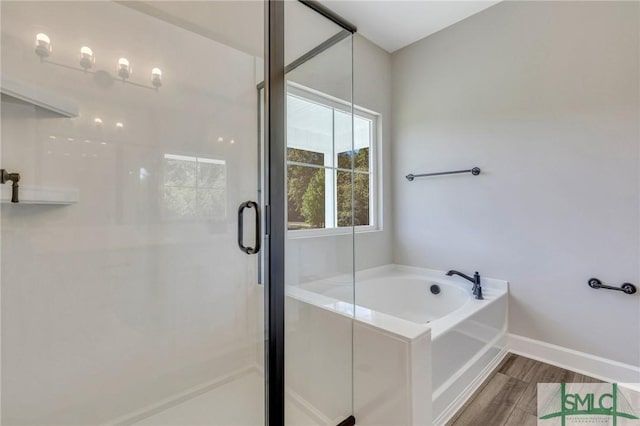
column 584, row 403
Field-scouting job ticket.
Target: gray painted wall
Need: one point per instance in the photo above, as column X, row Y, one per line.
column 544, row 97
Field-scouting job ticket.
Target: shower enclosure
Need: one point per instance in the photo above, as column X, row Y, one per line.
column 144, row 268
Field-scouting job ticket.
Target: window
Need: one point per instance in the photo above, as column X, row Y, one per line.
column 323, row 165
column 194, row 188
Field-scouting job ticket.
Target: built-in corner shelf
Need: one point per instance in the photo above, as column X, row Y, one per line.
column 41, row 195
column 39, row 97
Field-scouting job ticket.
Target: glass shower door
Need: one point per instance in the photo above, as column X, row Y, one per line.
column 319, row 245
column 126, row 297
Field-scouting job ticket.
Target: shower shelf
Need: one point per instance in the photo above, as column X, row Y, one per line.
column 41, row 195
column 40, row 97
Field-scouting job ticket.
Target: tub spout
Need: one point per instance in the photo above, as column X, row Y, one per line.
column 477, row 286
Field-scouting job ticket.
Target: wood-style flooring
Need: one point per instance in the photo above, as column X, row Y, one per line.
column 508, row 396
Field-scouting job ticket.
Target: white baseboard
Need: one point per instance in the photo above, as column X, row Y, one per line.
column 569, row 359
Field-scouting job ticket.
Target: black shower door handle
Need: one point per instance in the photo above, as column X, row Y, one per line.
column 256, row 247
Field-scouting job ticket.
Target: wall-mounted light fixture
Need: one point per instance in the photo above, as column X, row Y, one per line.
column 156, row 77
column 88, row 60
column 124, row 69
column 43, row 45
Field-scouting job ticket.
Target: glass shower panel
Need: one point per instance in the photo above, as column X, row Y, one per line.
column 125, row 297
column 319, row 247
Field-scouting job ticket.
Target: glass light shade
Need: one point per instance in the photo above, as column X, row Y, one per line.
column 156, row 77
column 124, row 69
column 43, row 45
column 86, row 52
column 86, row 57
column 42, row 40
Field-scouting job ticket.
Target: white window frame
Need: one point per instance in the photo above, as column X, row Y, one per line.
column 375, row 208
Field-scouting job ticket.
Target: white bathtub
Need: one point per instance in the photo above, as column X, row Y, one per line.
column 468, row 336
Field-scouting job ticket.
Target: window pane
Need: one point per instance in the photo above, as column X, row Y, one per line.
column 361, row 199
column 362, row 138
column 360, row 160
column 343, row 180
column 194, row 188
column 179, row 202
column 343, row 133
column 211, row 174
column 360, row 196
column 309, row 127
column 179, row 170
column 212, row 189
column 306, row 197
column 211, row 203
column 303, row 156
column 345, row 160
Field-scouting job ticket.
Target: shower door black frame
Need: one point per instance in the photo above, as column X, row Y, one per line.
column 276, row 197
column 276, row 232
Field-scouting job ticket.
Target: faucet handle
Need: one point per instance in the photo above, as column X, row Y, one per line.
column 14, row 192
column 14, row 178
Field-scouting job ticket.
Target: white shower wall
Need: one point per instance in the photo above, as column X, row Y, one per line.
column 109, row 305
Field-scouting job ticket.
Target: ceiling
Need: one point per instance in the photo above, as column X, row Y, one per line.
column 240, row 24
column 391, row 24
column 394, row 24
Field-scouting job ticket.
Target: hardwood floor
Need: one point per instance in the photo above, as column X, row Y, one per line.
column 508, row 396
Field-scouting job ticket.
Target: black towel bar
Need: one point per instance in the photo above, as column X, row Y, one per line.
column 626, row 288
column 475, row 171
